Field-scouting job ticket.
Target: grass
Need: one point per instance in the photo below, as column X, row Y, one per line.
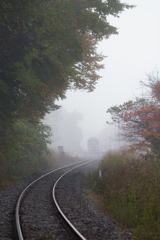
column 47, row 236
column 130, row 189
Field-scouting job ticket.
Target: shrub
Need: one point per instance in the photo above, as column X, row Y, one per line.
column 131, row 192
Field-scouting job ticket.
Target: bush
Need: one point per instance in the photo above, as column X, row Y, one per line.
column 131, row 192
column 23, row 152
column 13, row 170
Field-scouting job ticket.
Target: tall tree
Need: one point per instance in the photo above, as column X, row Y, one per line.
column 42, row 45
column 47, row 47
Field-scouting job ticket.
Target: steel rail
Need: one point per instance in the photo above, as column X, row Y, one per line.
column 77, row 233
column 18, row 226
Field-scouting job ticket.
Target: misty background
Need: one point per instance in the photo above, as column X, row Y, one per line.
column 131, row 54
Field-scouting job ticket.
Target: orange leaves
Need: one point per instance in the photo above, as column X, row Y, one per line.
column 156, row 90
column 139, row 146
column 128, row 116
column 149, row 120
column 85, row 72
column 140, row 120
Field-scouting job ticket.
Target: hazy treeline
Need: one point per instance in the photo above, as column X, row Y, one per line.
column 67, row 132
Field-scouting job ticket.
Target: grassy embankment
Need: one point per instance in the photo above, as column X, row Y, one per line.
column 12, row 171
column 129, row 189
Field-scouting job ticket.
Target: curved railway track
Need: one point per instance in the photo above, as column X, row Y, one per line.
column 35, row 207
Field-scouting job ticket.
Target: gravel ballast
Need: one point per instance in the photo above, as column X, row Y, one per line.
column 8, row 198
column 75, row 202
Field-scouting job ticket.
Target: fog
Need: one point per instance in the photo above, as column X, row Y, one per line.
column 131, row 54
column 66, row 130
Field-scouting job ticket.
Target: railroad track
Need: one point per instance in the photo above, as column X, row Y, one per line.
column 36, row 217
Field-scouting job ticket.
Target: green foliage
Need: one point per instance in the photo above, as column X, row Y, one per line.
column 46, row 47
column 41, row 43
column 47, row 236
column 130, row 190
column 23, row 149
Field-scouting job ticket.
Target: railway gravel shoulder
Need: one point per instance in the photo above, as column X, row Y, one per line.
column 82, row 211
column 8, row 199
column 39, row 218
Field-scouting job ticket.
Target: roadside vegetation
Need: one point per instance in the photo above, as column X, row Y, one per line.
column 129, row 190
column 23, row 151
column 23, row 166
column 130, row 186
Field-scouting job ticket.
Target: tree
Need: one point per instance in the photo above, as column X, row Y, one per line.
column 140, row 119
column 85, row 71
column 23, row 148
column 43, row 46
column 47, row 47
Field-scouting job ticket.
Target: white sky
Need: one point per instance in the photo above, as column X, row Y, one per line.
column 131, row 54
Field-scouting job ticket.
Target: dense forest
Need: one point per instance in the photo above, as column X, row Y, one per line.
column 46, row 47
